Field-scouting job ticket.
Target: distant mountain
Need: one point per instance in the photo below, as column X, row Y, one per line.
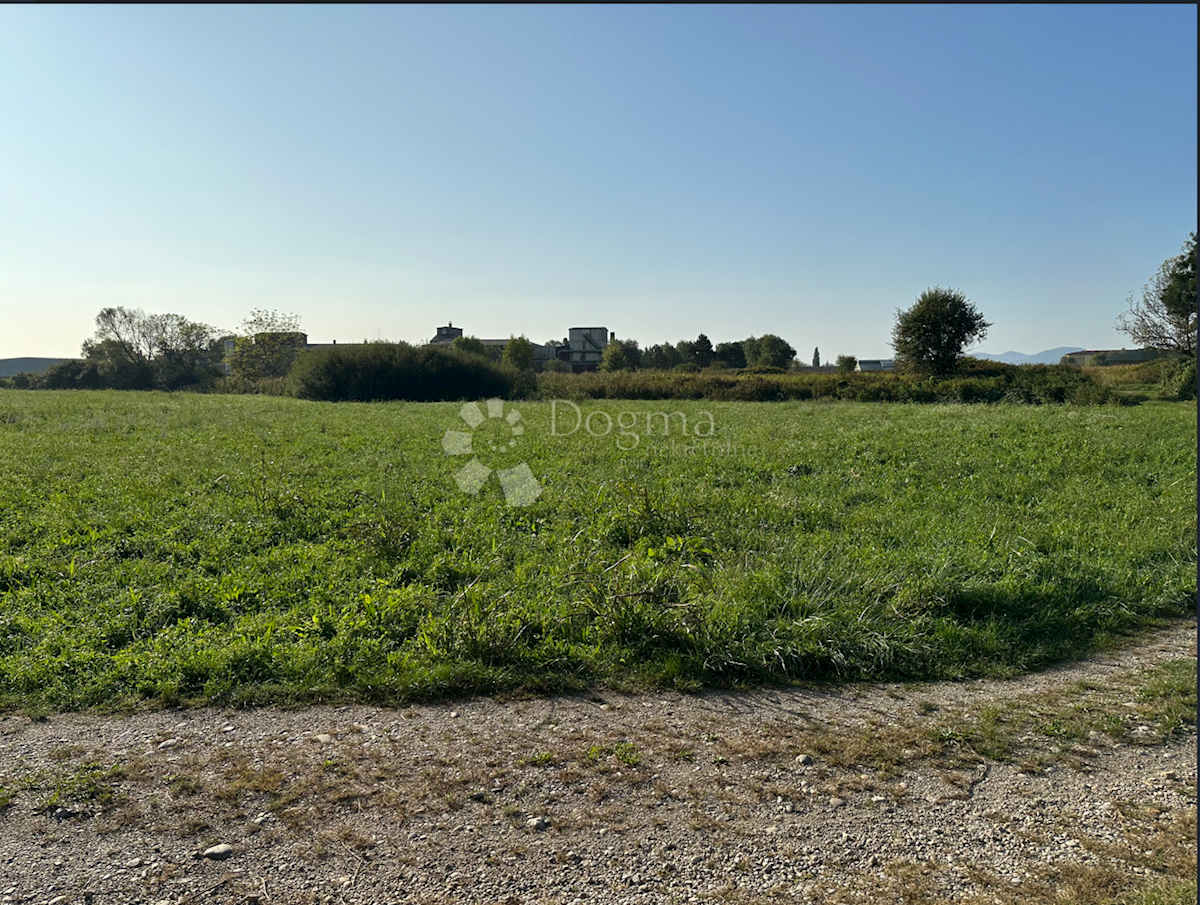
column 10, row 366
column 1049, row 357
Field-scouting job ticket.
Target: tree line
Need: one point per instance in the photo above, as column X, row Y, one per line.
column 133, row 350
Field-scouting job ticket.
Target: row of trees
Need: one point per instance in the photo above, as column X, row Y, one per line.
column 768, row 351
column 133, row 350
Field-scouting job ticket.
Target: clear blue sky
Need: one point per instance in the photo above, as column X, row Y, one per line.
column 663, row 171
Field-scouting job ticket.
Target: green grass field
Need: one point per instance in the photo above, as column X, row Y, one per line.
column 238, row 549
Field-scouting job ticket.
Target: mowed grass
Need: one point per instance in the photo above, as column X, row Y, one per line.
column 164, row 549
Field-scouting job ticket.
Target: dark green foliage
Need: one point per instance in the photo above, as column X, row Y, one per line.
column 931, row 336
column 768, row 351
column 132, row 350
column 380, row 371
column 661, row 356
column 614, row 357
column 470, row 345
column 732, row 354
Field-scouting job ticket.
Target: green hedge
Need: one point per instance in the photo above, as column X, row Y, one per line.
column 378, row 371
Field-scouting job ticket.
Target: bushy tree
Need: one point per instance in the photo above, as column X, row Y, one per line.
column 685, row 349
column 662, row 356
column 1165, row 316
column 931, row 336
column 614, row 357
column 817, row 357
column 846, row 363
column 768, row 351
column 633, row 352
column 702, row 351
column 469, row 345
column 731, row 353
column 518, row 353
column 267, row 345
column 134, row 350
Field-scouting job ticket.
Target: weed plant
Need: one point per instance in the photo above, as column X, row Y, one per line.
column 164, row 549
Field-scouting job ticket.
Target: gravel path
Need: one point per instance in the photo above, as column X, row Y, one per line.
column 817, row 795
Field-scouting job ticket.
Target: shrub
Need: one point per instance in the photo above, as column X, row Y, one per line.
column 1179, row 382
column 379, row 371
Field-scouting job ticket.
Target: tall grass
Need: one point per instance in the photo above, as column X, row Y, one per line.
column 169, row 549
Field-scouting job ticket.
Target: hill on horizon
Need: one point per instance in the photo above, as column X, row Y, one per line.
column 10, row 366
column 1048, row 357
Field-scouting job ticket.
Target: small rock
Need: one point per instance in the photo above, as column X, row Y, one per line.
column 57, row 900
column 836, row 802
column 169, row 743
column 324, row 738
column 227, row 728
column 218, row 852
column 133, row 863
column 540, row 824
column 453, row 714
column 1170, row 775
column 804, row 760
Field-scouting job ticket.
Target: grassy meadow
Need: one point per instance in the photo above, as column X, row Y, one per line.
column 162, row 549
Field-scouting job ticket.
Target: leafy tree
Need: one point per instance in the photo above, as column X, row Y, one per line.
column 846, row 363
column 662, row 356
column 267, row 345
column 633, row 351
column 135, row 350
column 731, row 353
column 931, row 335
column 1165, row 317
column 126, row 331
column 685, row 349
column 518, row 353
column 469, row 345
column 817, row 357
column 702, row 351
column 614, row 357
column 768, row 351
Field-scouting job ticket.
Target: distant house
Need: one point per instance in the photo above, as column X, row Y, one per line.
column 876, row 364
column 446, row 335
column 1100, row 357
column 582, row 348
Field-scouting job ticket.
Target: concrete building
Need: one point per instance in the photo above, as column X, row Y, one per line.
column 582, row 347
